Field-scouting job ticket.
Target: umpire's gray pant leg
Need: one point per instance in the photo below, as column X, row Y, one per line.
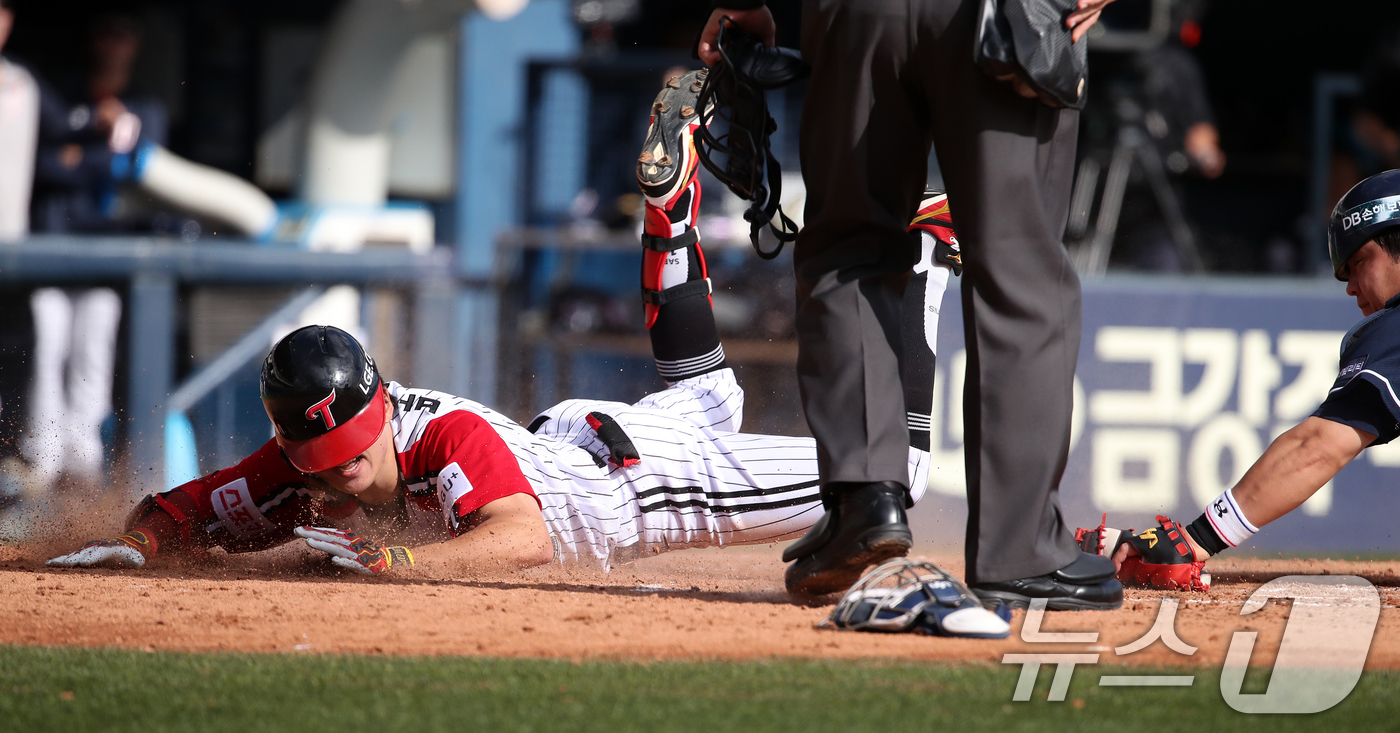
column 854, row 254
column 890, row 76
column 1008, row 163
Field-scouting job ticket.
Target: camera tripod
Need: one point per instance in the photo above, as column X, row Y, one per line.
column 1090, row 249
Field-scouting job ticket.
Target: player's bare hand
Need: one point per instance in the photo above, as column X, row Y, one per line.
column 1202, row 144
column 127, row 551
column 1125, row 551
column 106, row 113
column 757, row 22
column 353, row 552
column 1085, row 15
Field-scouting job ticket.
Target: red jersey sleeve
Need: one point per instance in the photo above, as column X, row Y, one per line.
column 472, row 464
column 251, row 506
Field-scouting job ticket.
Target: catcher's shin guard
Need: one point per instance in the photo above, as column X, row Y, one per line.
column 932, row 231
column 1165, row 559
column 673, row 265
column 935, row 219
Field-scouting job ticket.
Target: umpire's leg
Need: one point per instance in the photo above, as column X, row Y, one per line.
column 863, row 161
column 888, row 75
column 1008, row 164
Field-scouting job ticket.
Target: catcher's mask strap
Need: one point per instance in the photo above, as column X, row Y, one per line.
column 765, row 206
column 671, row 244
column 764, row 213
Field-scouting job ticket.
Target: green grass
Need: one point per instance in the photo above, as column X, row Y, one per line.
column 1364, row 555
column 110, row 691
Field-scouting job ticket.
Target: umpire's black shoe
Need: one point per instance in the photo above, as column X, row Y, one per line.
column 867, row 526
column 1085, row 584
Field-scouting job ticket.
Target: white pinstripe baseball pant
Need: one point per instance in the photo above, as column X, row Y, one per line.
column 700, row 481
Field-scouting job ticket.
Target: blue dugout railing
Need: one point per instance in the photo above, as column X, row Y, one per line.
column 153, row 269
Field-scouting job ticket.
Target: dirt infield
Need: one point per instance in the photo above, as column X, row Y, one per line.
column 695, row 604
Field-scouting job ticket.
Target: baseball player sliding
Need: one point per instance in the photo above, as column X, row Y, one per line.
column 387, row 478
column 1361, row 409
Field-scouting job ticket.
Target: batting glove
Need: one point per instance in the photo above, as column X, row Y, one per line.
column 350, row 550
column 130, row 550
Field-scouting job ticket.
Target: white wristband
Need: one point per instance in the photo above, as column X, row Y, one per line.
column 1228, row 520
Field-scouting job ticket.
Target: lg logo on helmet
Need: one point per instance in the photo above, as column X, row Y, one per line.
column 322, row 409
column 367, row 379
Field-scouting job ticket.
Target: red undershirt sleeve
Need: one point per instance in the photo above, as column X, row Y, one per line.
column 477, row 467
column 251, row 506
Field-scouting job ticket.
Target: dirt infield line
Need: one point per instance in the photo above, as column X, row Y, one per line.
column 706, row 604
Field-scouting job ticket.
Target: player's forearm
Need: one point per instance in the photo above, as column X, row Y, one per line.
column 504, row 544
column 1295, row 466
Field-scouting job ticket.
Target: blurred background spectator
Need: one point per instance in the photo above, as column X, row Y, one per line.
column 19, row 125
column 19, row 129
column 86, row 139
column 88, row 130
column 1369, row 142
column 1149, row 92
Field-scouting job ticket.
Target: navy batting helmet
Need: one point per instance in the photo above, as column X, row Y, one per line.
column 1369, row 208
column 324, row 396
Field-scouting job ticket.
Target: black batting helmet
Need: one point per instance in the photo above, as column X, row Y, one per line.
column 1369, row 208
column 324, row 396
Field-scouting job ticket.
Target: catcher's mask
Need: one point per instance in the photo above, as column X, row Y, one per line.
column 734, row 93
column 324, row 397
column 916, row 595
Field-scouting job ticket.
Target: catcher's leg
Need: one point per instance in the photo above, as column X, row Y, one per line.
column 923, row 299
column 675, row 279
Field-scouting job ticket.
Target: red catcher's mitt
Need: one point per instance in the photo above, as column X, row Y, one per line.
column 1164, row 560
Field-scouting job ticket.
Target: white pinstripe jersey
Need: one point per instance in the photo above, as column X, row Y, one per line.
column 700, row 482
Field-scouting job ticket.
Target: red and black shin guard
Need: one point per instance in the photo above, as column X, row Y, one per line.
column 681, row 323
column 673, row 265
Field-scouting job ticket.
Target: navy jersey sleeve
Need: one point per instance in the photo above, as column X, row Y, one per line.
column 1364, row 395
column 1360, row 405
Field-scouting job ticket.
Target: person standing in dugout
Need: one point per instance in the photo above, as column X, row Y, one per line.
column 386, row 478
column 1361, row 410
column 889, row 79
